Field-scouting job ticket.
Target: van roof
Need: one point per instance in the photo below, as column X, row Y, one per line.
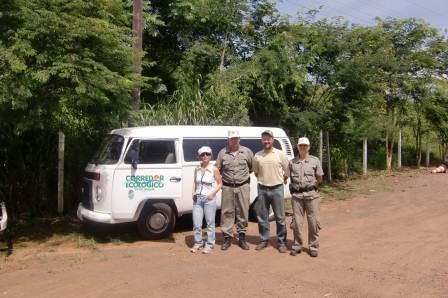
column 195, row 131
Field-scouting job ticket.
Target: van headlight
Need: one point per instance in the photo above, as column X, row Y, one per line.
column 98, row 193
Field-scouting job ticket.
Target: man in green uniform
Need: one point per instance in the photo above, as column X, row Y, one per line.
column 306, row 174
column 235, row 165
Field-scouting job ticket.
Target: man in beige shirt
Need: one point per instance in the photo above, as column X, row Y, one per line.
column 271, row 168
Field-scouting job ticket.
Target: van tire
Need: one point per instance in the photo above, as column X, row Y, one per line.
column 253, row 213
column 157, row 221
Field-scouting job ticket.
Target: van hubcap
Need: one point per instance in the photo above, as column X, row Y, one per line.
column 156, row 222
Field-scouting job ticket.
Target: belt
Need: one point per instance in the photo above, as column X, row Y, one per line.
column 235, row 184
column 302, row 189
column 269, row 187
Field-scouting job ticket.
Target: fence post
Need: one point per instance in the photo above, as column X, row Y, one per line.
column 321, row 145
column 399, row 149
column 329, row 157
column 364, row 157
column 428, row 150
column 61, row 148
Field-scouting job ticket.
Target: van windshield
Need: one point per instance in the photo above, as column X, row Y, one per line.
column 109, row 151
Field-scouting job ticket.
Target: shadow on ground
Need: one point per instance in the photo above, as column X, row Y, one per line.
column 43, row 230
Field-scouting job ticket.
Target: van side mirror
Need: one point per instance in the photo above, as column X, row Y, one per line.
column 134, row 164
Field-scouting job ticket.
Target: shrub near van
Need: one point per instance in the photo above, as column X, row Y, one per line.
column 145, row 174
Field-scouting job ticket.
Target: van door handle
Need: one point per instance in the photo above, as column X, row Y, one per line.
column 175, row 179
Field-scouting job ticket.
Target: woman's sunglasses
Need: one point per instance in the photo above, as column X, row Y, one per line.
column 205, row 153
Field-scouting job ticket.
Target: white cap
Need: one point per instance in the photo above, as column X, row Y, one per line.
column 205, row 149
column 233, row 134
column 303, row 141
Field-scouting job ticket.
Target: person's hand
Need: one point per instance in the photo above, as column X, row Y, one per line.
column 211, row 196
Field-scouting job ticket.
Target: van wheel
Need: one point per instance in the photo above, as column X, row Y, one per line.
column 253, row 212
column 156, row 221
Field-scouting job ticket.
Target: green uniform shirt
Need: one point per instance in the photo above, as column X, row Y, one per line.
column 235, row 169
column 304, row 174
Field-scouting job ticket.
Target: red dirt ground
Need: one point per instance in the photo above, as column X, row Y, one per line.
column 390, row 243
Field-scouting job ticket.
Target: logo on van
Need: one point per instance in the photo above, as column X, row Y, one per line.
column 144, row 182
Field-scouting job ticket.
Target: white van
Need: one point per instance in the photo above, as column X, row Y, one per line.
column 145, row 174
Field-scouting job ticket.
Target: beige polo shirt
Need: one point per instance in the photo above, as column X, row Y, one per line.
column 270, row 168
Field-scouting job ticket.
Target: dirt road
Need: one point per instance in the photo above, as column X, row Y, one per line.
column 390, row 243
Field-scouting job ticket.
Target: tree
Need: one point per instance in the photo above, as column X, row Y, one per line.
column 63, row 65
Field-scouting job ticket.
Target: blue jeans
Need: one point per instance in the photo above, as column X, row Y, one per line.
column 204, row 207
column 271, row 196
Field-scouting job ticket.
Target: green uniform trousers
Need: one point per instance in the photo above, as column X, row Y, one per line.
column 311, row 208
column 235, row 205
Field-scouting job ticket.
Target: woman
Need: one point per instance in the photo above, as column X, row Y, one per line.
column 207, row 183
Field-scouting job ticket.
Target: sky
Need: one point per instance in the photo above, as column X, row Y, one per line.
column 364, row 12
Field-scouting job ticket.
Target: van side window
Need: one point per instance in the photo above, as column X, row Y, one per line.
column 152, row 152
column 191, row 146
column 255, row 144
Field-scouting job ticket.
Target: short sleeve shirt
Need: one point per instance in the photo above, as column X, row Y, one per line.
column 270, row 168
column 235, row 168
column 304, row 173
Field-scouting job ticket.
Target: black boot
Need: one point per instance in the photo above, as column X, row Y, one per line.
column 227, row 243
column 242, row 242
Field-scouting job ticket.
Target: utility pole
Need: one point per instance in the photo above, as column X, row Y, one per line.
column 137, row 34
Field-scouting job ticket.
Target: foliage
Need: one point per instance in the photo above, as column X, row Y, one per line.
column 64, row 65
column 67, row 65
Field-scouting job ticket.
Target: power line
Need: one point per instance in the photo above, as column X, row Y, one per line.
column 355, row 9
column 343, row 14
column 425, row 7
column 387, row 11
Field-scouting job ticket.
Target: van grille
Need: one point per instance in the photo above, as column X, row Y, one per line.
column 288, row 148
column 86, row 194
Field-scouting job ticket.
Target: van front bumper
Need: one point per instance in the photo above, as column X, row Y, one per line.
column 86, row 214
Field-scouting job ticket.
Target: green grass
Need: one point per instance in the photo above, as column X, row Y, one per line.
column 83, row 242
column 348, row 188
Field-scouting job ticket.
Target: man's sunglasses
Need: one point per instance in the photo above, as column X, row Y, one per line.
column 205, row 153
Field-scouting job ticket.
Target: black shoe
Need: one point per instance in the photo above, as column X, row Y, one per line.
column 262, row 245
column 227, row 243
column 242, row 242
column 314, row 253
column 295, row 252
column 282, row 249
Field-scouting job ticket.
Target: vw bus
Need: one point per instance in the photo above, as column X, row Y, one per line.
column 145, row 174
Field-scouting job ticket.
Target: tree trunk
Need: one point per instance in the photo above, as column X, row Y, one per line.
column 389, row 150
column 223, row 53
column 137, row 34
column 418, row 149
column 390, row 137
